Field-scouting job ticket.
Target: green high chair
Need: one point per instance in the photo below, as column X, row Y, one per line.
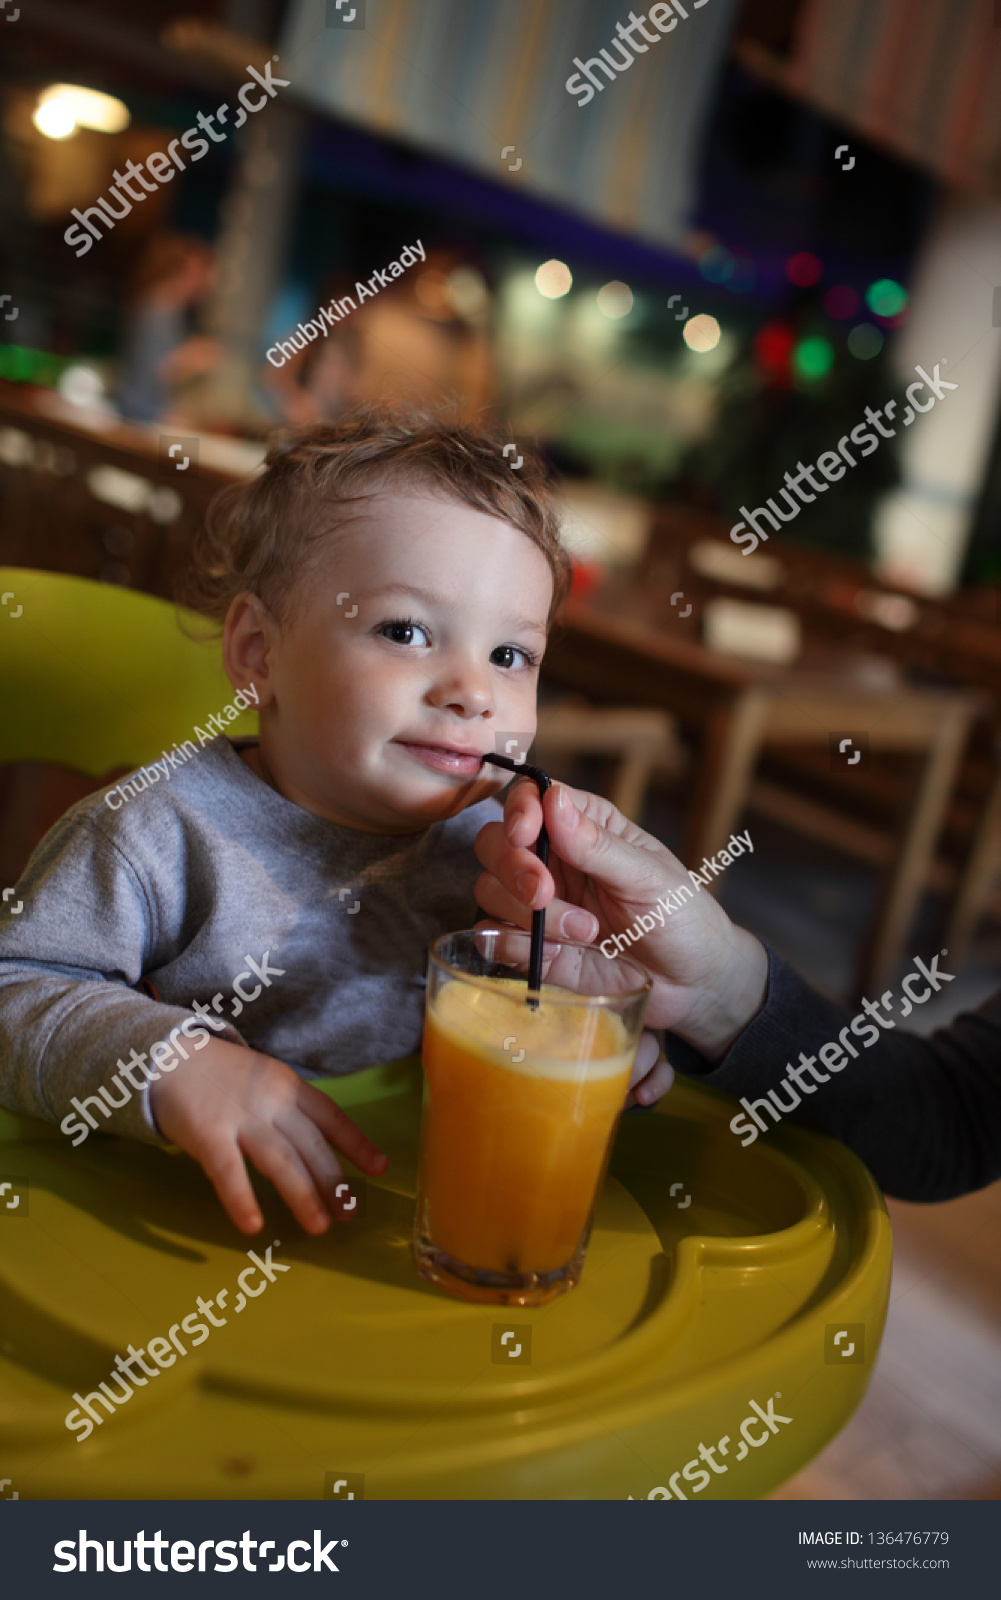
column 725, row 1327
column 97, row 678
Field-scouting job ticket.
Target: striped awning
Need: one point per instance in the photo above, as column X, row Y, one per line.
column 920, row 76
column 467, row 79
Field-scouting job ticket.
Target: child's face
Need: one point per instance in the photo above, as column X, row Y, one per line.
column 375, row 718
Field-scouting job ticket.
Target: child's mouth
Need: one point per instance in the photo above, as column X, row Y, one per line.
column 450, row 759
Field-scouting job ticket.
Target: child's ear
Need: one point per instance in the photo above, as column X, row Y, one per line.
column 249, row 635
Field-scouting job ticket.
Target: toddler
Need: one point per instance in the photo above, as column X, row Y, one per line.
column 185, row 962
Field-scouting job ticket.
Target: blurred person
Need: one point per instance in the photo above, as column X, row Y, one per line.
column 162, row 350
column 923, row 1114
column 319, row 382
column 421, row 342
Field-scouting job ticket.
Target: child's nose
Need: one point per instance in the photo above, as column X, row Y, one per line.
column 465, row 689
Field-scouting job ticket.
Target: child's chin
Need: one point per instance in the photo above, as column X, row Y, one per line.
column 433, row 798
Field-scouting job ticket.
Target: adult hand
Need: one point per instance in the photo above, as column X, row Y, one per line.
column 709, row 976
column 230, row 1103
column 652, row 1074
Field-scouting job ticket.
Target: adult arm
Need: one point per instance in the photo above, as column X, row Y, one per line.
column 925, row 1115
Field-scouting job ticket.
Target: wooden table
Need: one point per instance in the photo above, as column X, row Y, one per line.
column 954, row 640
column 610, row 649
column 103, row 500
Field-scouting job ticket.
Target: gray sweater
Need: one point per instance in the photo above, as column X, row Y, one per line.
column 301, row 939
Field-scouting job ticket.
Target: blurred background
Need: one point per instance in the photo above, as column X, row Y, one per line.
column 677, row 292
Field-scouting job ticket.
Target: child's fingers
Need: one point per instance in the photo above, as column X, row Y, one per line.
column 319, row 1159
column 276, row 1158
column 343, row 1134
column 226, row 1171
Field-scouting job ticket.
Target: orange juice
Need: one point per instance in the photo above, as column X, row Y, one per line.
column 515, row 1138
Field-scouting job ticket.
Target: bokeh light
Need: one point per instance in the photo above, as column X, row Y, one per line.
column 64, row 107
column 468, row 292
column 804, row 269
column 841, row 302
column 553, row 279
column 813, row 358
column 82, row 386
column 716, row 264
column 55, row 119
column 886, row 298
column 615, row 299
column 773, row 346
column 865, row 341
column 745, row 274
column 701, row 333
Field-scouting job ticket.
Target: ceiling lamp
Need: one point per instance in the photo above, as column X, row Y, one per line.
column 553, row 279
column 615, row 300
column 64, row 107
column 701, row 333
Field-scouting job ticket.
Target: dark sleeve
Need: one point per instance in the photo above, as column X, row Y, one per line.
column 923, row 1114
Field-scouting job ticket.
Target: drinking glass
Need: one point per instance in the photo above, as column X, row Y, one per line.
column 520, row 1110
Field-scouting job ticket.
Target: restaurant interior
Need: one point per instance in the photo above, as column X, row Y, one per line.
column 786, row 221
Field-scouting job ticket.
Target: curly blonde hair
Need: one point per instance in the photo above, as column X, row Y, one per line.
column 263, row 537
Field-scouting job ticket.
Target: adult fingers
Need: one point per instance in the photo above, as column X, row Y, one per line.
column 563, row 920
column 647, row 1052
column 512, row 948
column 516, row 867
column 276, row 1158
column 226, row 1171
column 522, row 813
column 343, row 1134
column 655, row 1085
column 587, row 834
column 590, row 835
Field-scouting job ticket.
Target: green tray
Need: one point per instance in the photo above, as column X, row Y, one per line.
column 716, row 1280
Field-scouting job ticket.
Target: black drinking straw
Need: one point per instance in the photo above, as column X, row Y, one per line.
column 543, row 782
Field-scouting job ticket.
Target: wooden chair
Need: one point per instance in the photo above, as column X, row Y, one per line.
column 639, row 742
column 979, row 875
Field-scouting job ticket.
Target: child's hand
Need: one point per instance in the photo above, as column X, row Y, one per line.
column 229, row 1102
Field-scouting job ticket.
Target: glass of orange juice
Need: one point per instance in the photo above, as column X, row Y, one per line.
column 521, row 1104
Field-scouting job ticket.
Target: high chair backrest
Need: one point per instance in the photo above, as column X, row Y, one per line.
column 99, row 678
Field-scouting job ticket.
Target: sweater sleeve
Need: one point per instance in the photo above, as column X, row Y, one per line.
column 70, row 961
column 923, row 1114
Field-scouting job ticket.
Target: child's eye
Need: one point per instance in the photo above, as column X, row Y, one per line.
column 505, row 656
column 405, row 632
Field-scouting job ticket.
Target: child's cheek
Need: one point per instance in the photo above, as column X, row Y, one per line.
column 380, row 698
